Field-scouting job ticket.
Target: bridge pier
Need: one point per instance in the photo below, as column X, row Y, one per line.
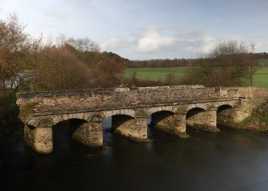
column 206, row 121
column 174, row 124
column 180, row 125
column 89, row 134
column 234, row 116
column 134, row 129
column 39, row 138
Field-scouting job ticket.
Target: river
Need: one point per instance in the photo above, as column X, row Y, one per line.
column 229, row 161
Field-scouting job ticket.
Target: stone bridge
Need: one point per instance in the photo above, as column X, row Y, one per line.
column 172, row 109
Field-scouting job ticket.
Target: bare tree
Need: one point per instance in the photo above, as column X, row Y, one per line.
column 229, row 64
column 84, row 44
column 13, row 47
column 109, row 70
column 58, row 68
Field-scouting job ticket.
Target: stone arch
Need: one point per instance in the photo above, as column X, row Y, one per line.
column 224, row 114
column 115, row 118
column 194, row 110
column 153, row 110
column 127, row 112
column 66, row 130
column 231, row 103
column 120, row 121
column 70, row 119
column 159, row 116
column 202, row 117
column 194, row 116
column 126, row 125
column 163, row 120
column 223, row 107
column 196, row 106
column 79, row 116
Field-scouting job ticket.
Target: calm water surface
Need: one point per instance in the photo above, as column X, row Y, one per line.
column 228, row 161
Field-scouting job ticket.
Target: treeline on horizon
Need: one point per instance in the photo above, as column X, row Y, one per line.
column 34, row 65
column 182, row 62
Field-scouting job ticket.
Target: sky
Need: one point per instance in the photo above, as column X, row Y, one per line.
column 146, row 29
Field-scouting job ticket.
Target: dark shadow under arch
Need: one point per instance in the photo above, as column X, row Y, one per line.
column 118, row 120
column 159, row 116
column 224, row 113
column 112, row 122
column 191, row 113
column 194, row 111
column 224, row 107
column 63, row 132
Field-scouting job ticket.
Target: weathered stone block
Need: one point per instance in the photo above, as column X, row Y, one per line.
column 233, row 117
column 174, row 124
column 206, row 120
column 40, row 139
column 28, row 135
column 134, row 129
column 180, row 126
column 89, row 134
column 167, row 124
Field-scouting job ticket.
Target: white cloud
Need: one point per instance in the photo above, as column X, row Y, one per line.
column 209, row 44
column 261, row 46
column 113, row 44
column 202, row 43
column 199, row 43
column 188, row 43
column 152, row 41
column 158, row 44
column 173, row 44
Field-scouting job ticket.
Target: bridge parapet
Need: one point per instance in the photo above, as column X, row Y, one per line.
column 41, row 102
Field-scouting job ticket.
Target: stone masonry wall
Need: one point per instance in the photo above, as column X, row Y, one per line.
column 42, row 103
column 204, row 120
column 134, row 129
column 89, row 134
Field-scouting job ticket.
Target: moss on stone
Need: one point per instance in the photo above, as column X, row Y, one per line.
column 181, row 110
column 258, row 120
column 46, row 122
column 141, row 113
column 183, row 135
column 26, row 110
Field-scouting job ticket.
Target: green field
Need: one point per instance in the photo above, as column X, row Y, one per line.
column 156, row 74
column 260, row 78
